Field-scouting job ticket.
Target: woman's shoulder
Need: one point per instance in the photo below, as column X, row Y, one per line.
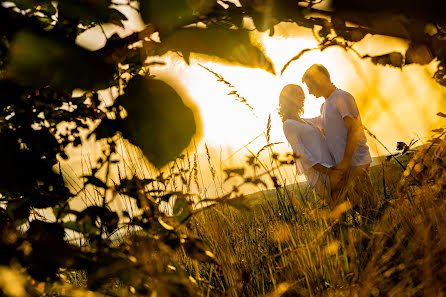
column 290, row 124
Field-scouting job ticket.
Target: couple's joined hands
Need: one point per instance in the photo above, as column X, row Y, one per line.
column 336, row 173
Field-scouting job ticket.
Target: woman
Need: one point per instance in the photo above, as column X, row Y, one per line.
column 313, row 157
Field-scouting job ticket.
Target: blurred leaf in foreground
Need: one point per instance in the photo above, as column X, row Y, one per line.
column 168, row 14
column 393, row 59
column 231, row 45
column 181, row 209
column 87, row 10
column 158, row 121
column 38, row 60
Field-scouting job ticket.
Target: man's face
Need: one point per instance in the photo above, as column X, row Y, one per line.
column 314, row 88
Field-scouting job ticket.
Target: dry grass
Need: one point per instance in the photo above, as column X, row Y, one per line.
column 283, row 246
column 287, row 243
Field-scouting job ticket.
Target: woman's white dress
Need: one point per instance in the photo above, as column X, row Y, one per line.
column 309, row 144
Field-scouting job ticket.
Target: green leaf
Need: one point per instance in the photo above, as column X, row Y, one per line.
column 196, row 249
column 49, row 250
column 88, row 223
column 418, row 54
column 394, row 59
column 116, row 17
column 261, row 22
column 181, row 209
column 19, row 210
column 61, row 210
column 44, row 231
column 42, row 60
column 169, row 14
column 134, row 188
column 72, row 225
column 166, row 197
column 107, row 128
column 92, row 180
column 47, row 7
column 87, row 10
column 255, row 181
column 18, row 167
column 24, row 4
column 158, row 121
column 147, row 181
column 47, row 199
column 230, row 45
column 86, row 227
column 400, row 145
column 44, row 6
column 231, row 172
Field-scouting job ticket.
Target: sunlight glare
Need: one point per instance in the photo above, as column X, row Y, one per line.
column 385, row 102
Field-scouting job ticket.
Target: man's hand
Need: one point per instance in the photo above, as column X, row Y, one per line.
column 335, row 176
column 342, row 166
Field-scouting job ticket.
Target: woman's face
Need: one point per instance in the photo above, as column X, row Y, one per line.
column 292, row 102
column 295, row 97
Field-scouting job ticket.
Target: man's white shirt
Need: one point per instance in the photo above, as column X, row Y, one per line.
column 337, row 106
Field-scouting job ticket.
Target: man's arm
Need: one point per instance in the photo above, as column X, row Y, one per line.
column 354, row 128
column 315, row 121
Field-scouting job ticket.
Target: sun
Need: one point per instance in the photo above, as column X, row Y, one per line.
column 228, row 122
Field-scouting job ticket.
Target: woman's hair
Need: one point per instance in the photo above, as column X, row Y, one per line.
column 291, row 100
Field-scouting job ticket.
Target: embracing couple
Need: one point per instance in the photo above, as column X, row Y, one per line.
column 331, row 149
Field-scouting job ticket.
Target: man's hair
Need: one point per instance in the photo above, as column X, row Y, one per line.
column 314, row 71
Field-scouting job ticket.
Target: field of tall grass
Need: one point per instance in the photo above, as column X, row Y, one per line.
column 284, row 241
column 287, row 243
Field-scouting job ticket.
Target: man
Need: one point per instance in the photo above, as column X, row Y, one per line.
column 341, row 123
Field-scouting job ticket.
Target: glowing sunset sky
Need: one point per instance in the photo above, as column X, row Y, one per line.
column 394, row 104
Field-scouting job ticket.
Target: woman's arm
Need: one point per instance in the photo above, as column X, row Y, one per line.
column 333, row 173
column 292, row 135
column 321, row 168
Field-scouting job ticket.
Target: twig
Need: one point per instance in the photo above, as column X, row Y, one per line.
column 234, row 92
column 382, row 144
